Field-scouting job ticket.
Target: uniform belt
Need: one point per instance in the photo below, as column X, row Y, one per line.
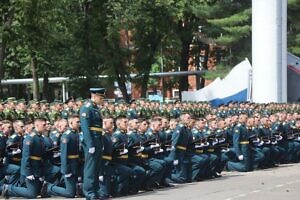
column 141, row 155
column 16, row 159
column 106, row 157
column 211, row 150
column 244, row 142
column 97, row 129
column 180, row 147
column 199, row 151
column 35, row 158
column 123, row 157
column 73, row 156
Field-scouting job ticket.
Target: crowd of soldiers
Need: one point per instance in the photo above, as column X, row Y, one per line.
column 103, row 150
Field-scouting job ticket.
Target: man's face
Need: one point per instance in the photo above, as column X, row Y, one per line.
column 123, row 124
column 20, row 128
column 143, row 126
column 108, row 124
column 98, row 98
column 156, row 126
column 40, row 126
column 7, row 128
column 74, row 123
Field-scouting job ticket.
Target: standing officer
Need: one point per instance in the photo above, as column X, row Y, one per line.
column 91, row 126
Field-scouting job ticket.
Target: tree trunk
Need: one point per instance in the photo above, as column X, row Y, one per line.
column 2, row 55
column 202, row 83
column 183, row 83
column 145, row 85
column 122, row 83
column 46, row 87
column 35, row 78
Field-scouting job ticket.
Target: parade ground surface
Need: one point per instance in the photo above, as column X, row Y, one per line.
column 277, row 183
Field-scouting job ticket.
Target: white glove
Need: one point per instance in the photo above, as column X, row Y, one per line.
column 140, row 150
column 101, row 178
column 92, row 150
column 41, row 179
column 56, row 155
column 175, row 162
column 241, row 157
column 225, row 150
column 79, row 179
column 279, row 138
column 125, row 151
column 221, row 140
column 68, row 175
column 197, row 146
column 170, row 148
column 261, row 143
column 152, row 146
column 206, row 144
column 17, row 151
column 275, row 142
column 215, row 142
column 31, row 177
column 159, row 151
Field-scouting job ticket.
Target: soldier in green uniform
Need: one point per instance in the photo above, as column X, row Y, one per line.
column 91, row 126
column 69, row 147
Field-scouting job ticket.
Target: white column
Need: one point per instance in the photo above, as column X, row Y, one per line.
column 269, row 50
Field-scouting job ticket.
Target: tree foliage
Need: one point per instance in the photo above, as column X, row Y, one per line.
column 83, row 39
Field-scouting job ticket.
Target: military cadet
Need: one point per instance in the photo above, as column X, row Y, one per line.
column 241, row 147
column 5, row 168
column 258, row 155
column 51, row 153
column 120, row 145
column 132, row 111
column 31, row 164
column 14, row 143
column 91, row 126
column 21, row 110
column 105, row 177
column 176, row 112
column 28, row 127
column 265, row 142
column 69, row 147
column 161, row 167
column 120, row 173
column 179, row 147
column 69, row 104
column 201, row 144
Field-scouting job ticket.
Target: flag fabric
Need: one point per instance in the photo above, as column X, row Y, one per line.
column 234, row 87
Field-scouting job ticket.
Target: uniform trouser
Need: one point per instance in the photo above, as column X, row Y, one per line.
column 92, row 166
column 137, row 179
column 266, row 150
column 51, row 172
column 258, row 157
column 157, row 169
column 11, row 170
column 105, row 185
column 121, row 176
column 31, row 191
column 180, row 167
column 243, row 165
column 296, row 151
column 69, row 191
column 277, row 152
column 200, row 165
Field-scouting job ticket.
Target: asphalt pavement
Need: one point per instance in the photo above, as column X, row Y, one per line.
column 279, row 183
